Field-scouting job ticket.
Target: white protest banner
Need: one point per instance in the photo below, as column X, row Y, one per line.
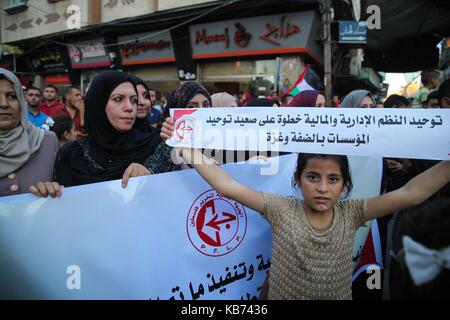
column 166, row 236
column 402, row 133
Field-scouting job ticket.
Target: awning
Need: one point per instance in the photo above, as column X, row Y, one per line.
column 410, row 31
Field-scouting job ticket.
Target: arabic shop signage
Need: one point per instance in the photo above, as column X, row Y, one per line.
column 49, row 60
column 259, row 35
column 88, row 54
column 142, row 48
column 352, row 32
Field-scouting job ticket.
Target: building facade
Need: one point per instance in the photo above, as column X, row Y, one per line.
column 228, row 45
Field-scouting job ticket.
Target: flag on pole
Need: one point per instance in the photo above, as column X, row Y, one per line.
column 308, row 80
column 278, row 83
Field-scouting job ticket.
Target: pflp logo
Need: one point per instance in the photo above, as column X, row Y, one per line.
column 185, row 129
column 216, row 225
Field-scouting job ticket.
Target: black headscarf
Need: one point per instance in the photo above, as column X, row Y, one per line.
column 142, row 124
column 105, row 153
column 261, row 102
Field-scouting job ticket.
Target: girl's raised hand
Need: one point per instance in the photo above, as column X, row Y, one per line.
column 167, row 129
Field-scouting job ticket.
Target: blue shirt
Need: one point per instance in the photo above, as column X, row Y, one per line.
column 38, row 120
column 154, row 116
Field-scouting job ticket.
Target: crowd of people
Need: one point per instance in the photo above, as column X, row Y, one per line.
column 117, row 131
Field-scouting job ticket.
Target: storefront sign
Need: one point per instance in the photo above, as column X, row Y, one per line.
column 48, row 61
column 145, row 48
column 88, row 54
column 276, row 34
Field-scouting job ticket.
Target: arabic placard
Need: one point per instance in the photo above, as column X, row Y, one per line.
column 400, row 133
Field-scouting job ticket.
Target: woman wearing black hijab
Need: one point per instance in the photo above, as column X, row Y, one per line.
column 144, row 106
column 114, row 147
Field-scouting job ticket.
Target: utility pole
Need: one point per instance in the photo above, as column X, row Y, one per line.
column 326, row 11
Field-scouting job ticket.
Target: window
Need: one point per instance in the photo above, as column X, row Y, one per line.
column 16, row 6
column 15, row 3
column 255, row 76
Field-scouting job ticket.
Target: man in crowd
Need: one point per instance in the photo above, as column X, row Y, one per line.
column 51, row 105
column 155, row 111
column 432, row 100
column 430, row 80
column 444, row 94
column 33, row 98
column 396, row 101
column 74, row 108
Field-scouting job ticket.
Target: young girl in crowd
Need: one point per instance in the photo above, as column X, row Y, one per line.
column 313, row 238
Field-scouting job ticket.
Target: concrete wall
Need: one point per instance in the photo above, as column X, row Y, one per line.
column 119, row 9
column 41, row 18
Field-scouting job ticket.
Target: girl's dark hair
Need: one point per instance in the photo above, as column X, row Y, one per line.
column 61, row 125
column 342, row 161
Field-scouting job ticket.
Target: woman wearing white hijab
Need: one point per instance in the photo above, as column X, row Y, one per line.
column 223, row 99
column 27, row 153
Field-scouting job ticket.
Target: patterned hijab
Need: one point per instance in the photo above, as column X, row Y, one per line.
column 181, row 96
column 17, row 145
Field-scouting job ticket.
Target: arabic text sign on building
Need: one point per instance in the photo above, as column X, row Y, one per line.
column 48, row 60
column 401, row 133
column 352, row 32
column 284, row 33
column 88, row 54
